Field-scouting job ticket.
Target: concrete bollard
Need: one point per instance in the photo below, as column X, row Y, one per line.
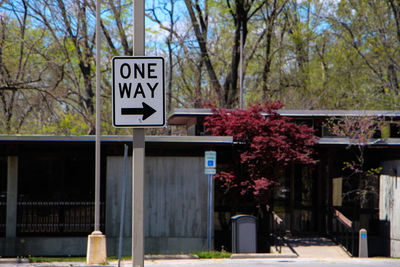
column 96, row 249
column 363, row 244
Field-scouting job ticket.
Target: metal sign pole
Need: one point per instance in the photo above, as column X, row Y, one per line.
column 210, row 169
column 138, row 150
column 210, row 212
column 96, row 248
column 97, row 158
column 123, row 200
column 137, row 198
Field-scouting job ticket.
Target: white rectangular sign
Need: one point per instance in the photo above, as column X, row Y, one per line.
column 210, row 159
column 210, row 171
column 138, row 92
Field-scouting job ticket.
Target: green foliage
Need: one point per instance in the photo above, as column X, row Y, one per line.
column 213, row 254
column 323, row 55
column 68, row 124
column 33, row 259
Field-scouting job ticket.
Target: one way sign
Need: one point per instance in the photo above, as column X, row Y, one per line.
column 138, row 92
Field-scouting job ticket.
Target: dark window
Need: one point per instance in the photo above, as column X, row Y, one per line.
column 326, row 132
column 395, row 130
column 3, row 194
column 308, row 122
column 56, row 192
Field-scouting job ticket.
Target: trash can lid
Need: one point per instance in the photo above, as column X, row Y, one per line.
column 236, row 217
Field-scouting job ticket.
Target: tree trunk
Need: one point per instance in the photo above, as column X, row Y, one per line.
column 203, row 48
column 268, row 60
column 395, row 6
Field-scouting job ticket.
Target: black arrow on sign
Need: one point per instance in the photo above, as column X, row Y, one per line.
column 146, row 111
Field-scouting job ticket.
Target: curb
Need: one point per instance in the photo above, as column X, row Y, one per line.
column 14, row 260
column 171, row 257
column 262, row 256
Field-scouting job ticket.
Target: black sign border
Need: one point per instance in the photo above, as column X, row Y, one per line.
column 113, row 93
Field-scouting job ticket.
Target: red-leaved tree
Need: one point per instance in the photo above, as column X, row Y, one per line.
column 267, row 142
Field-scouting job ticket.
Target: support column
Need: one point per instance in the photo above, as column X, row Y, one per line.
column 12, row 198
column 291, row 199
column 138, row 146
column 329, row 187
column 138, row 198
column 12, row 195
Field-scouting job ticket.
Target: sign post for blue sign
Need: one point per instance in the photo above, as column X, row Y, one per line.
column 210, row 162
column 210, row 171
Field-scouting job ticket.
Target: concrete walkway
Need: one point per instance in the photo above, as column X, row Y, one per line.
column 314, row 247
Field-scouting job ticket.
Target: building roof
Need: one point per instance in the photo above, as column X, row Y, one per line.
column 119, row 138
column 348, row 141
column 173, row 139
column 182, row 116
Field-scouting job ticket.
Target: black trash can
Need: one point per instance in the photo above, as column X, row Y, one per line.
column 244, row 234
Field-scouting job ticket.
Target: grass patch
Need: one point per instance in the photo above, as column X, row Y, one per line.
column 55, row 259
column 213, row 254
column 115, row 258
column 70, row 259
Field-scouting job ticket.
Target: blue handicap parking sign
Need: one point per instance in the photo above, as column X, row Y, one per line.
column 363, row 236
column 210, row 159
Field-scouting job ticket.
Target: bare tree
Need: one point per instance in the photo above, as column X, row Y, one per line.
column 241, row 11
column 27, row 77
column 70, row 25
column 270, row 16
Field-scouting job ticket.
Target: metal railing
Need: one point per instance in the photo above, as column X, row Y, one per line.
column 278, row 231
column 56, row 218
column 344, row 232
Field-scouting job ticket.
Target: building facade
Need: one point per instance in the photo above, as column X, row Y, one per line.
column 309, row 198
column 47, row 189
column 47, row 193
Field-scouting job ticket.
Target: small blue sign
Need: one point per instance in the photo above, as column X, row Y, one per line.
column 210, row 163
column 363, row 235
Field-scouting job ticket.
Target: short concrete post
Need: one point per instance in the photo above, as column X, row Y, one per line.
column 363, row 244
column 96, row 249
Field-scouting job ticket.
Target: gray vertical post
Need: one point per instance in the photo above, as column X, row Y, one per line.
column 210, row 212
column 98, row 130
column 363, row 244
column 96, row 246
column 138, row 198
column 138, row 150
column 12, row 205
column 12, row 196
column 123, row 199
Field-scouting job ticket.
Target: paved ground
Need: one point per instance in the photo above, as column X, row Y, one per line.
column 315, row 247
column 301, row 252
column 297, row 262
